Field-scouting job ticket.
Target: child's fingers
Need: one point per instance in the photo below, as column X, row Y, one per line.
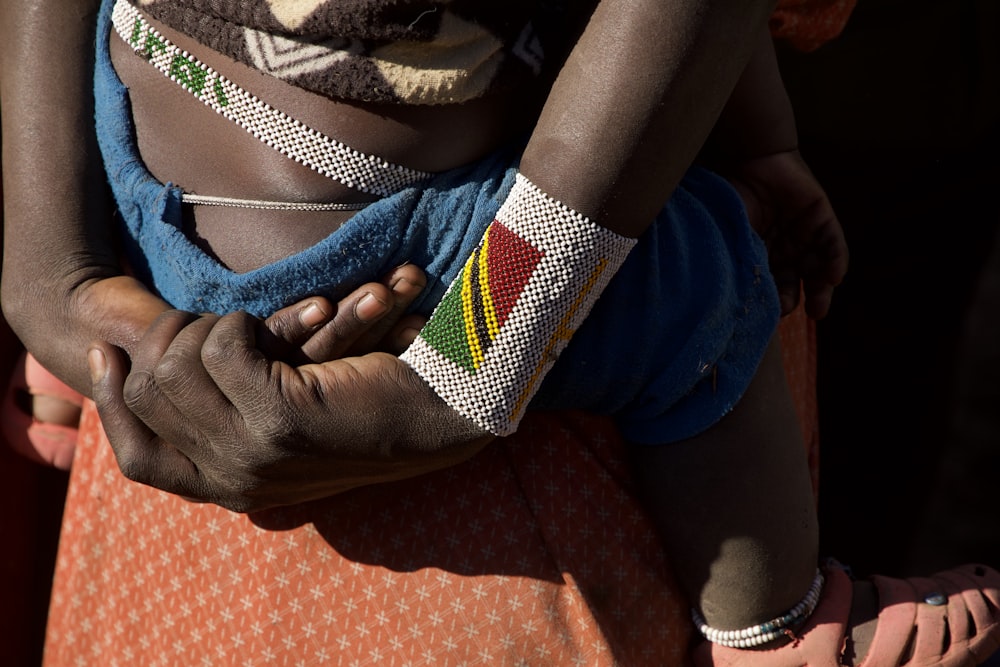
column 353, row 317
column 283, row 333
column 406, row 283
column 403, row 334
column 368, row 319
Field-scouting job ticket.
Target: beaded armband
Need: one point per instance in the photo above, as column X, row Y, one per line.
column 513, row 308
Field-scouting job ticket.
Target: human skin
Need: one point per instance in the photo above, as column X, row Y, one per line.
column 180, row 393
column 59, row 252
column 63, row 243
column 592, row 117
column 766, row 452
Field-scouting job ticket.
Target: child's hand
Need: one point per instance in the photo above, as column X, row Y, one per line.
column 371, row 319
column 791, row 212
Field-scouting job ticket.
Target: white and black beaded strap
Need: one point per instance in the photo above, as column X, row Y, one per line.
column 333, row 159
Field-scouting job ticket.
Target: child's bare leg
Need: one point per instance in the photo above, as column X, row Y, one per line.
column 54, row 410
column 40, row 414
column 736, row 508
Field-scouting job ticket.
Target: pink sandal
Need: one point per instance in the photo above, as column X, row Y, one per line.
column 49, row 444
column 951, row 619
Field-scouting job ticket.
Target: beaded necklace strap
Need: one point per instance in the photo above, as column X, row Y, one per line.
column 333, row 159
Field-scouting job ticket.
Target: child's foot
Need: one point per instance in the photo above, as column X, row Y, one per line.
column 41, row 415
column 951, row 619
column 861, row 622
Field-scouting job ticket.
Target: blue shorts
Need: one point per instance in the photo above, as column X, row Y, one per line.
column 668, row 349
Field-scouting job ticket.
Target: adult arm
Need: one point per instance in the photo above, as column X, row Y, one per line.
column 62, row 283
column 64, row 292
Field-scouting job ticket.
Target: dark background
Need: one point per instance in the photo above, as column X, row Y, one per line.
column 900, row 119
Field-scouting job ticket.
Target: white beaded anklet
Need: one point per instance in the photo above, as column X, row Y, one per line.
column 286, row 135
column 758, row 635
column 508, row 315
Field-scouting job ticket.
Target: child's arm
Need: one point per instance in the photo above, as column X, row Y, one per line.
column 756, row 146
column 637, row 98
column 758, row 118
column 628, row 113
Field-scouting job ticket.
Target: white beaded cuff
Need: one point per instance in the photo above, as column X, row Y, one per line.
column 511, row 311
column 758, row 635
column 367, row 173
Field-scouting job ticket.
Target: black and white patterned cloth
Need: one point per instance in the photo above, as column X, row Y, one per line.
column 395, row 51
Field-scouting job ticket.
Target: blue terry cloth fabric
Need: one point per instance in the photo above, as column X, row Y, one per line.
column 668, row 349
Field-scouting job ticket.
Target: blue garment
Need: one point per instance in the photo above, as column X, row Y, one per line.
column 668, row 349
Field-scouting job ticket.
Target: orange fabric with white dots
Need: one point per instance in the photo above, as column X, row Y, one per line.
column 531, row 553
column 534, row 552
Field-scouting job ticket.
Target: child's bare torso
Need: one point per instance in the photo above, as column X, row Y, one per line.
column 185, row 143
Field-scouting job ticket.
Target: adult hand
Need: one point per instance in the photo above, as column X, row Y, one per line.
column 207, row 414
column 806, row 245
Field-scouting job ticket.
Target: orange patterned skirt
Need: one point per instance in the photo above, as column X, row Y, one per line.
column 534, row 552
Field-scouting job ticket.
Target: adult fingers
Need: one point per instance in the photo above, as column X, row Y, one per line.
column 250, row 381
column 139, row 391
column 142, row 456
column 176, row 397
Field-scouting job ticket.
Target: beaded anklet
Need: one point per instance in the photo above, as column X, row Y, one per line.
column 758, row 635
column 507, row 316
column 333, row 159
